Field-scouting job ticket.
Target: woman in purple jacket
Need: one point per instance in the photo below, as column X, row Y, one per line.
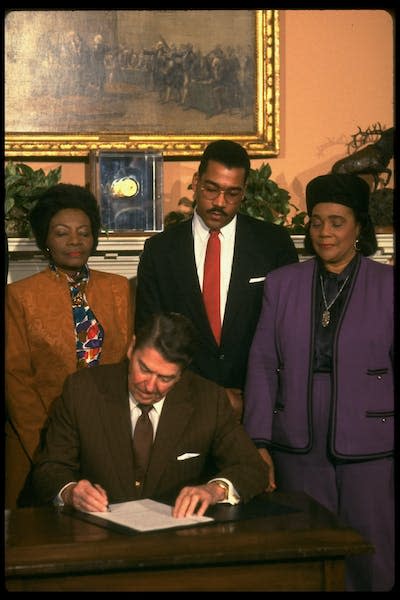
column 319, row 397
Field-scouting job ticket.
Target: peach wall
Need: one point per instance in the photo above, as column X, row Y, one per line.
column 337, row 73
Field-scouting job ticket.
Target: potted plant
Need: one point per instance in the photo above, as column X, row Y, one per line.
column 264, row 200
column 182, row 213
column 267, row 201
column 381, row 210
column 22, row 188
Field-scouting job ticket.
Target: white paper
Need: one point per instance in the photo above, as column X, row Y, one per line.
column 147, row 515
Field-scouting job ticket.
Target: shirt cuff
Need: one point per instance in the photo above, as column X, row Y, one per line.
column 233, row 496
column 58, row 501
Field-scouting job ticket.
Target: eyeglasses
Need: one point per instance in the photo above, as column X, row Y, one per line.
column 212, row 192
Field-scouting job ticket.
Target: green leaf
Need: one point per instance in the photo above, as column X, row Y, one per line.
column 22, row 187
column 265, row 200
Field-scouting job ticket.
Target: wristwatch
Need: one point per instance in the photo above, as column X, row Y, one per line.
column 224, row 486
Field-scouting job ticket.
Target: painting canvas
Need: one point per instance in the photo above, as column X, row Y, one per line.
column 169, row 81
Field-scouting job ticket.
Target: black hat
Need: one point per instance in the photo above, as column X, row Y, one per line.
column 341, row 188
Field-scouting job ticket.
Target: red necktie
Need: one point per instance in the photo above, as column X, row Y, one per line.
column 211, row 283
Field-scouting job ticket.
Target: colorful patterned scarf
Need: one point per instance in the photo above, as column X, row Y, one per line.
column 89, row 333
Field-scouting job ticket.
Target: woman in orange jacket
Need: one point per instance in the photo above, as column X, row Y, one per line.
column 62, row 319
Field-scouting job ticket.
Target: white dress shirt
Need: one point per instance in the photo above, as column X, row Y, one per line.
column 154, row 415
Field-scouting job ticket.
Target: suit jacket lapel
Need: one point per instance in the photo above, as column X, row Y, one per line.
column 182, row 257
column 241, row 267
column 115, row 413
column 174, row 418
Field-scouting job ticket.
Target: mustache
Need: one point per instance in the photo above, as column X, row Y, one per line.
column 219, row 211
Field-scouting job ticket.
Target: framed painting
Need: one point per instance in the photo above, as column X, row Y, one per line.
column 165, row 81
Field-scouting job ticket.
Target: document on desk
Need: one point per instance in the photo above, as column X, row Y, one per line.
column 146, row 515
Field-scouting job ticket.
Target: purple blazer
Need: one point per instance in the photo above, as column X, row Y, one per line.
column 279, row 381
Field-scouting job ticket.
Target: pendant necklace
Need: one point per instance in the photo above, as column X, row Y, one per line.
column 326, row 315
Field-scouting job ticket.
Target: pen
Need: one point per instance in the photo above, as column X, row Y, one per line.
column 100, row 489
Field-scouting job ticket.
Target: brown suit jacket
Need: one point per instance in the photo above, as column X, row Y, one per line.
column 40, row 353
column 89, row 436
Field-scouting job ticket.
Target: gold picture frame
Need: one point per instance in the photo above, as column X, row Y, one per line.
column 78, row 81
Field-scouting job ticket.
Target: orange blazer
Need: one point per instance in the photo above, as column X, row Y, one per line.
column 40, row 352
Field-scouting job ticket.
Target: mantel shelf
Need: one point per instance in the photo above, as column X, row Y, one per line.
column 106, row 244
column 121, row 254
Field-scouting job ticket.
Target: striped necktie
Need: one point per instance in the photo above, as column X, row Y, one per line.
column 142, row 443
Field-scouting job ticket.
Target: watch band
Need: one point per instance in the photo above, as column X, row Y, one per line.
column 224, row 486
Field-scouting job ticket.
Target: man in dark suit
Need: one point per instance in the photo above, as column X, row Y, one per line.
column 200, row 454
column 171, row 267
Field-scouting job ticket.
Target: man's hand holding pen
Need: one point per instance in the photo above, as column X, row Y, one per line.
column 86, row 496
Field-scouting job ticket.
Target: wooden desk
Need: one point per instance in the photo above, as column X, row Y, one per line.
column 297, row 546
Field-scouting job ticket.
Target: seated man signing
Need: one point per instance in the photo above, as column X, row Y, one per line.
column 200, row 455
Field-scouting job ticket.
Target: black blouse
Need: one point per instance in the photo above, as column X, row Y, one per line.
column 332, row 283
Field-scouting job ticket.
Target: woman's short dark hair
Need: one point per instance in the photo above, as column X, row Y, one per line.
column 366, row 244
column 172, row 334
column 56, row 198
column 228, row 153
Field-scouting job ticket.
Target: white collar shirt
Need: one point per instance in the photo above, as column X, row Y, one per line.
column 227, row 237
column 154, row 415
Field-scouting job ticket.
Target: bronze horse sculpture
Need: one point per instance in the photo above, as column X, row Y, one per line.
column 372, row 159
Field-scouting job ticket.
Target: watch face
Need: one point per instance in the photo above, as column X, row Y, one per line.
column 126, row 187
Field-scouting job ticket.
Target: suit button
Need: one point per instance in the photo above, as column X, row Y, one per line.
column 221, row 357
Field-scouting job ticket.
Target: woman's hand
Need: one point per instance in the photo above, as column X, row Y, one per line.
column 265, row 455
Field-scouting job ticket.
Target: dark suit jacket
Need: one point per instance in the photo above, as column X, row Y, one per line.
column 167, row 280
column 89, row 436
